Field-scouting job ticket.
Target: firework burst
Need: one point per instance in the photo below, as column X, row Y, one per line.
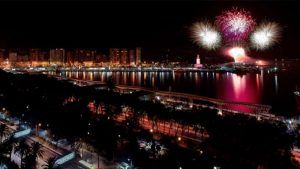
column 265, row 35
column 237, row 53
column 206, row 35
column 236, row 24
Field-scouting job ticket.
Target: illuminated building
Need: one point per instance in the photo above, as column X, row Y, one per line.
column 132, row 57
column 2, row 55
column 34, row 54
column 198, row 62
column 13, row 57
column 70, row 59
column 57, row 57
column 114, row 55
column 88, row 57
column 44, row 56
column 84, row 57
column 22, row 56
column 18, row 58
column 100, row 59
column 124, row 56
column 38, row 57
column 138, row 56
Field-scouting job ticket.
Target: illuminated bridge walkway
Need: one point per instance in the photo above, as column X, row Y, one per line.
column 257, row 110
column 225, row 106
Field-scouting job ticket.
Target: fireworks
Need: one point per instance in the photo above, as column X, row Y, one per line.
column 234, row 27
column 237, row 53
column 265, row 35
column 236, row 24
column 206, row 35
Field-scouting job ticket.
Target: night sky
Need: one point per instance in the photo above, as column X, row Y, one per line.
column 156, row 26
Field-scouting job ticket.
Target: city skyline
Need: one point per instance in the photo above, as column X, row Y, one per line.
column 158, row 27
column 35, row 57
column 141, row 84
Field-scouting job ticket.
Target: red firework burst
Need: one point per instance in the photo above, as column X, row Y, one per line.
column 236, row 24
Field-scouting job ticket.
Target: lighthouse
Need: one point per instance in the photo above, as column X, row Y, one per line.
column 198, row 62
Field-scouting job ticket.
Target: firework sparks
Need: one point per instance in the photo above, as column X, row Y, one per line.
column 238, row 53
column 206, row 35
column 236, row 24
column 265, row 35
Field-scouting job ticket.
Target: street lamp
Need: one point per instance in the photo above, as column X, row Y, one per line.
column 129, row 160
column 37, row 128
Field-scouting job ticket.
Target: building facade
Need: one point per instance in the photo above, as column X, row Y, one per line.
column 57, row 57
column 125, row 56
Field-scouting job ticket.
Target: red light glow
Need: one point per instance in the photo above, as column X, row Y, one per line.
column 238, row 54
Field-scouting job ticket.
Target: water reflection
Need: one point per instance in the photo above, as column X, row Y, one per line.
column 238, row 87
column 254, row 88
column 276, row 83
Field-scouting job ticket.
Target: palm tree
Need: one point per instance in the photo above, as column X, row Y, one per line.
column 3, row 152
column 78, row 146
column 4, row 132
column 6, row 148
column 51, row 164
column 36, row 151
column 106, row 139
column 23, row 149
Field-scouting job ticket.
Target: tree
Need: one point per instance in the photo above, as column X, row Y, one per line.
column 36, row 151
column 23, row 149
column 3, row 152
column 7, row 146
column 51, row 164
column 4, row 132
column 105, row 139
column 78, row 145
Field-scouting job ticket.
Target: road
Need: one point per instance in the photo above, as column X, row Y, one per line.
column 48, row 151
column 167, row 128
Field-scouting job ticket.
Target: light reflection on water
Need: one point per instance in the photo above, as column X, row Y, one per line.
column 263, row 88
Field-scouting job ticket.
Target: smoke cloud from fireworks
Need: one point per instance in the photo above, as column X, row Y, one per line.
column 238, row 53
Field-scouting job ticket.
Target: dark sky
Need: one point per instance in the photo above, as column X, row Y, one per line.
column 154, row 25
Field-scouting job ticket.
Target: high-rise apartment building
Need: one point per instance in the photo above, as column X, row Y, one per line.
column 114, row 55
column 12, row 57
column 132, row 57
column 57, row 56
column 125, row 56
column 2, row 55
column 138, row 56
